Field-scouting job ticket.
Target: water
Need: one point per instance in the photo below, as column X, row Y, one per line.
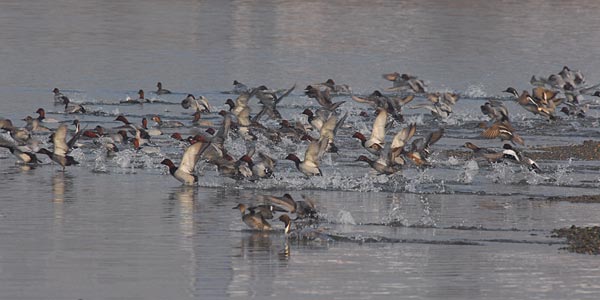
column 121, row 227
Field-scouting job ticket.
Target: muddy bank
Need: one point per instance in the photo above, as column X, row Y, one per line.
column 576, row 199
column 584, row 240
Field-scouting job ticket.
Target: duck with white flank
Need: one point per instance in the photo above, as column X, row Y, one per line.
column 376, row 141
column 197, row 104
column 62, row 147
column 185, row 172
column 312, row 158
column 59, row 98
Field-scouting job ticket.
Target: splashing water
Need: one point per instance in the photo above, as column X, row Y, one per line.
column 475, row 91
column 345, row 217
column 562, row 173
column 470, row 169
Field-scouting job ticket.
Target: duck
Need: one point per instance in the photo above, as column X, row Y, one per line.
column 338, row 89
column 405, row 82
column 166, row 124
column 42, row 116
column 62, row 147
column 323, row 98
column 199, row 122
column 376, row 141
column 21, row 136
column 269, row 100
column 239, row 88
column 421, row 148
column 312, row 158
column 201, row 104
column 503, row 130
column 140, row 100
column 329, row 130
column 252, row 219
column 151, row 131
column 160, row 90
column 535, row 105
column 441, row 105
column 484, row 153
column 33, row 125
column 73, row 108
column 400, row 140
column 517, row 156
column 266, row 211
column 302, row 209
column 575, row 109
column 184, row 173
column 263, row 168
column 495, row 110
column 381, row 165
column 24, row 156
column 316, row 119
column 393, row 105
column 59, row 98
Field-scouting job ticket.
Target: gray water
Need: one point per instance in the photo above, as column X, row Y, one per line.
column 122, row 228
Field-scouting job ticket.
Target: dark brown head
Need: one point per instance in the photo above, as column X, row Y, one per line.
column 293, row 158
column 330, row 81
column 41, row 112
column 512, row 91
column 159, row 85
column 363, row 158
column 177, row 136
column 123, row 133
column 210, row 131
column 235, row 82
column 377, row 93
column 230, row 103
column 247, row 159
column 122, row 119
column 288, row 196
column 359, row 136
column 308, row 112
column 222, row 113
column 55, row 91
column 405, row 77
column 196, row 116
column 141, row 94
column 145, row 123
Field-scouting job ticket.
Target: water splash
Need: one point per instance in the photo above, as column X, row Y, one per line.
column 470, row 169
column 345, row 217
column 562, row 174
column 475, row 91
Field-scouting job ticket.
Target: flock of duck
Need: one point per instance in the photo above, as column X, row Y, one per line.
column 385, row 155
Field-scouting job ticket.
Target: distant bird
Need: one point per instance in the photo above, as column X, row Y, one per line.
column 269, row 100
column 160, row 90
column 323, row 98
column 333, row 88
column 200, row 104
column 405, row 82
column 59, row 98
column 166, row 124
column 239, row 87
column 73, row 108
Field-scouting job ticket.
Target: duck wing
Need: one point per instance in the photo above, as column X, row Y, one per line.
column 60, row 144
column 191, row 156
